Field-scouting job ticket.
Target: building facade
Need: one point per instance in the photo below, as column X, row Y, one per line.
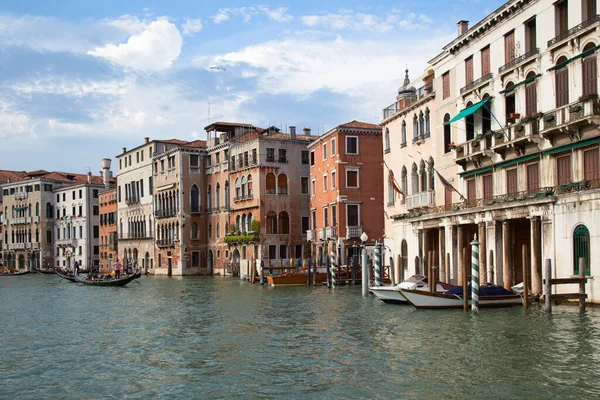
column 346, row 189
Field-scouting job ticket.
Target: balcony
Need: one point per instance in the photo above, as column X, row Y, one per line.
column 422, row 93
column 474, row 149
column 162, row 243
column 310, row 236
column 136, row 235
column 35, row 246
column 132, row 200
column 195, row 170
column 581, row 28
column 565, row 119
column 517, row 136
column 420, row 200
column 518, row 60
column 353, row 231
column 20, row 221
column 4, row 246
column 66, row 242
column 476, row 83
column 165, row 213
column 330, row 232
column 21, row 195
column 245, row 197
column 217, row 167
column 17, row 246
column 36, row 220
column 321, row 233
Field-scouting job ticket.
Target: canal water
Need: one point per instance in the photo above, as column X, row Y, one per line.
column 204, row 337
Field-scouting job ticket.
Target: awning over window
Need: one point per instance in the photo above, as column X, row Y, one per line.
column 469, row 110
column 526, row 81
column 476, row 171
column 574, row 145
column 20, row 208
column 584, row 54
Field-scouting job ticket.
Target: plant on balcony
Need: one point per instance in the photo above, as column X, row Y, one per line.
column 519, row 127
column 549, row 118
column 575, row 108
column 243, row 237
column 499, row 134
column 459, row 149
column 451, row 146
column 589, row 96
column 515, row 116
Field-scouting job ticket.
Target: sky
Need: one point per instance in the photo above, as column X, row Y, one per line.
column 79, row 80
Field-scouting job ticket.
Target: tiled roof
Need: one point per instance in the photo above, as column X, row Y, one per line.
column 196, row 143
column 65, row 177
column 12, row 175
column 232, row 124
column 359, row 125
column 173, row 141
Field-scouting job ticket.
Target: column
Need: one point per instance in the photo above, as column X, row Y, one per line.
column 442, row 255
column 507, row 255
column 459, row 248
column 482, row 252
column 536, row 256
column 450, row 258
column 421, row 253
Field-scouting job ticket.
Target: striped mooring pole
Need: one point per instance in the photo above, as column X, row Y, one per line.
column 333, row 269
column 377, row 265
column 474, row 275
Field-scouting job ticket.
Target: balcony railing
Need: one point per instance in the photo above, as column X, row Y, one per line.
column 310, row 236
column 330, row 232
column 21, row 195
column 20, row 221
column 570, row 114
column 165, row 213
column 66, row 242
column 519, row 60
column 36, row 220
column 248, row 196
column 422, row 92
column 165, row 243
column 321, row 233
column 132, row 200
column 476, row 83
column 420, row 200
column 136, row 235
column 576, row 29
column 17, row 246
column 353, row 231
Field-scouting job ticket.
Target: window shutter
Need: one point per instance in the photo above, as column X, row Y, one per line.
column 590, row 165
column 509, row 47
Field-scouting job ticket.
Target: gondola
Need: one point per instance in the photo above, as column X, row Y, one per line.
column 70, row 278
column 91, row 281
column 14, row 273
column 45, row 271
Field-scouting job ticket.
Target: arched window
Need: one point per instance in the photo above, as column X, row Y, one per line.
column 244, row 186
column 387, row 140
column 390, row 189
column 470, row 124
column 561, row 85
column 270, row 183
column 404, row 181
column 244, row 227
column 218, row 196
column 581, row 248
column 250, row 193
column 218, row 230
column 403, row 134
column 238, row 223
column 427, row 123
column 531, row 95
column 509, row 102
column 271, row 223
column 282, row 184
column 588, row 68
column 249, row 221
column 421, row 125
column 37, row 209
column 49, row 211
column 423, row 176
column 210, row 231
column 447, row 134
column 431, row 173
column 284, row 223
column 238, row 188
column 209, row 198
column 37, row 235
column 195, row 199
column 414, row 179
column 486, row 116
column 227, row 194
column 415, row 128
column 194, row 231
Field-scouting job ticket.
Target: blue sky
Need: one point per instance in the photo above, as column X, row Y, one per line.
column 81, row 79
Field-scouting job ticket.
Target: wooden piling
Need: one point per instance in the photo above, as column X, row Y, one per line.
column 399, row 267
column 430, row 272
column 253, row 279
column 364, row 272
column 547, row 286
column 525, row 276
column 447, row 276
column 465, row 282
column 582, row 282
column 434, row 270
column 491, row 270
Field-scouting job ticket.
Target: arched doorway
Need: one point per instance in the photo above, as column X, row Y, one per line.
column 417, row 265
column 135, row 258
column 210, row 262
column 146, row 262
column 21, row 261
column 581, row 248
column 235, row 263
column 404, row 258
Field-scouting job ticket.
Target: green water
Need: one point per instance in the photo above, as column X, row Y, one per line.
column 175, row 338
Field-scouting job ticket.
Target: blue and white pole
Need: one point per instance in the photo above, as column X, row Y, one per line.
column 333, row 269
column 475, row 275
column 377, row 265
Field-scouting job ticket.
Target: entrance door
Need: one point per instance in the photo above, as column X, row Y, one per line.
column 169, row 266
column 21, row 261
column 235, row 263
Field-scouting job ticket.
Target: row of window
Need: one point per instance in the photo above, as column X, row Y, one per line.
column 127, row 160
column 352, row 216
column 329, row 180
column 26, row 189
column 422, row 180
column 351, row 149
column 74, row 195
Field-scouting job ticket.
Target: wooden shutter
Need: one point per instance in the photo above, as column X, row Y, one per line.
column 563, row 169
column 485, row 61
column 590, row 165
column 562, row 87
column 511, row 181
column 448, row 196
column 509, row 47
column 589, row 75
column 488, row 188
column 471, row 194
column 531, row 99
column 533, row 178
column 469, row 70
column 446, row 85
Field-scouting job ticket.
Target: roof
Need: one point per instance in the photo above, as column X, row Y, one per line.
column 263, row 133
column 359, row 125
column 228, row 124
column 172, row 141
column 64, row 177
column 6, row 175
column 353, row 126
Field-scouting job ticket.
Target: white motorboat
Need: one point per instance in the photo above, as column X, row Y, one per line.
column 391, row 294
column 489, row 297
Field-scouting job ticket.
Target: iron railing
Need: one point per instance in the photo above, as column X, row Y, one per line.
column 476, row 83
column 574, row 30
column 518, row 60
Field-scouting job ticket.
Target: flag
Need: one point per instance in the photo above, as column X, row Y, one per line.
column 449, row 186
column 394, row 184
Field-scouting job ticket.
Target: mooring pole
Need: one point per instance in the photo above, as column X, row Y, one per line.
column 354, row 262
column 525, row 276
column 392, row 271
column 308, row 273
column 339, row 264
column 491, row 270
column 377, row 265
column 547, row 286
column 430, row 272
column 315, row 273
column 475, row 275
column 262, row 272
column 364, row 272
column 334, row 268
column 581, row 285
column 328, row 269
column 465, row 276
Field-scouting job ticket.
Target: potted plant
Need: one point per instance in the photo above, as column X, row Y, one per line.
column 549, row 118
column 589, row 96
column 515, row 116
column 459, row 149
column 519, row 127
column 575, row 108
column 451, row 146
column 537, row 115
column 499, row 135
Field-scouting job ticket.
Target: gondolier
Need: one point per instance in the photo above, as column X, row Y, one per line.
column 117, row 269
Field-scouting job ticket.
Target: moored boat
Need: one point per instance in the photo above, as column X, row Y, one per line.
column 296, row 278
column 92, row 280
column 14, row 273
column 489, row 297
column 391, row 294
column 66, row 275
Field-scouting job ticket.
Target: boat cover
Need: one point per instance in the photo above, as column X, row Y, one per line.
column 491, row 290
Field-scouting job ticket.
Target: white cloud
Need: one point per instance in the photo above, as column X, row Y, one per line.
column 347, row 19
column 279, row 14
column 247, row 13
column 76, row 88
column 155, row 48
column 220, row 17
column 191, row 26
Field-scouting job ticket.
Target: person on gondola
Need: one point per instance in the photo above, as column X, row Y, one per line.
column 117, row 269
column 76, row 268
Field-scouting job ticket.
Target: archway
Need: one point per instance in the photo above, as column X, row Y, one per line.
column 21, row 261
column 235, row 263
column 146, row 262
column 404, row 258
column 210, row 262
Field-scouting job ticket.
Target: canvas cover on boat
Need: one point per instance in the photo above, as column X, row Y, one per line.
column 492, row 290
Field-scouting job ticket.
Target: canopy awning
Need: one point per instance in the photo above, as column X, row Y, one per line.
column 20, row 208
column 469, row 110
column 513, row 87
column 581, row 55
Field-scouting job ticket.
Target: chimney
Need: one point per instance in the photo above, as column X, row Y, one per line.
column 146, row 140
column 292, row 133
column 306, row 131
column 89, row 177
column 106, row 174
column 463, row 26
column 124, row 149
